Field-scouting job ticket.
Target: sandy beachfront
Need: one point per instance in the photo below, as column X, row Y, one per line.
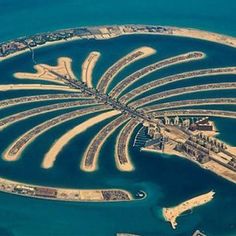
column 56, row 148
column 63, row 68
column 204, row 35
column 35, row 87
column 176, row 31
column 120, row 164
column 172, row 213
column 88, row 66
column 24, row 140
column 191, row 33
column 118, row 66
column 64, row 194
column 39, row 46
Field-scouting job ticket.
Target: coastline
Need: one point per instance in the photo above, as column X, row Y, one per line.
column 65, row 194
column 58, row 145
column 172, row 213
column 106, row 33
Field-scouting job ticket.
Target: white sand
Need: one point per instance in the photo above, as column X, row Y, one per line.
column 94, row 165
column 183, row 32
column 6, row 155
column 128, row 166
column 170, row 214
column 56, row 148
column 43, row 71
column 147, row 51
column 88, row 66
column 192, row 33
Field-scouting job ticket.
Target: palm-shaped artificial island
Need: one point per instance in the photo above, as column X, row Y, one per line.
column 162, row 127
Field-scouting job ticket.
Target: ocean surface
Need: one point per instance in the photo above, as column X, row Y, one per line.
column 167, row 180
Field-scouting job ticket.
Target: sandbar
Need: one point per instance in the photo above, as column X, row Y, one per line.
column 88, row 66
column 172, row 213
column 63, row 68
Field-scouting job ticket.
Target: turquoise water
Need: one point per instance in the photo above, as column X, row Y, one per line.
column 27, row 17
column 167, row 180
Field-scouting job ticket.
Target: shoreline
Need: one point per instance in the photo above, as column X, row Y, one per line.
column 214, row 165
column 51, row 156
column 172, row 213
column 128, row 166
column 113, row 31
column 88, row 66
column 42, row 71
column 100, row 139
column 130, row 58
column 65, row 194
column 61, row 119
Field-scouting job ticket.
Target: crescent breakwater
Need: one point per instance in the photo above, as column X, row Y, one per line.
column 64, row 194
column 23, row 44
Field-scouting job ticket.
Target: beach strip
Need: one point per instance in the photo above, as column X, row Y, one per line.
column 125, row 61
column 51, row 155
column 43, row 71
column 88, row 66
column 8, row 87
column 172, row 213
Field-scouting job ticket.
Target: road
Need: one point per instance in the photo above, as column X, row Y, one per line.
column 102, row 97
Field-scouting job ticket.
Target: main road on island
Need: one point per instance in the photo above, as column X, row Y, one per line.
column 100, row 97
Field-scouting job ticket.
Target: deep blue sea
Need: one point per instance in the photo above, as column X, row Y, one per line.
column 168, row 180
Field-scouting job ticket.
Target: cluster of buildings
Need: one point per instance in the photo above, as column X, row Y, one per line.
column 115, row 68
column 39, row 110
column 99, row 139
column 189, row 137
column 202, row 124
column 177, row 77
column 64, row 194
column 36, row 98
column 20, row 143
column 115, row 195
column 203, row 148
column 149, row 135
column 149, row 69
column 122, row 142
column 179, row 91
column 103, row 32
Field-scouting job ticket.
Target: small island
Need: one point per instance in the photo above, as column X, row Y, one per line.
column 172, row 213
